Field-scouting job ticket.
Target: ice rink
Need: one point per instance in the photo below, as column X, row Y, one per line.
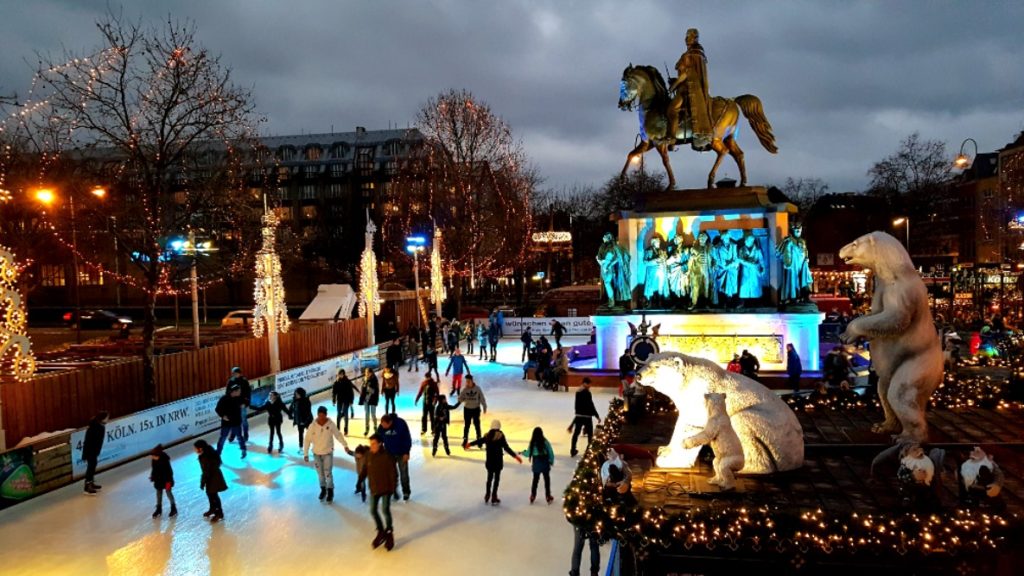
column 275, row 525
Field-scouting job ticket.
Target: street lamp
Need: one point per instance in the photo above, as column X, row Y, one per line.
column 905, row 222
column 962, row 162
column 415, row 245
column 192, row 248
column 47, row 197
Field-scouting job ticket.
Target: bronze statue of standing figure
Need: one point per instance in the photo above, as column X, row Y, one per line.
column 691, row 89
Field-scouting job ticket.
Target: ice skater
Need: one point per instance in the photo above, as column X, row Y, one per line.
column 394, row 432
column 369, row 397
column 212, row 479
column 585, row 410
column 320, row 436
column 482, row 339
column 302, row 413
column 442, row 417
column 430, row 359
column 229, row 408
column 390, row 387
column 343, row 396
column 429, row 392
column 457, row 365
column 276, row 411
column 493, row 336
column 542, row 458
column 245, row 399
column 495, row 443
column 472, row 399
column 360, row 456
column 91, row 448
column 379, row 472
column 162, row 477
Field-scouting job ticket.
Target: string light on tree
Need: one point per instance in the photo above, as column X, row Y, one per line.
column 16, row 357
column 369, row 287
column 270, row 314
column 437, row 290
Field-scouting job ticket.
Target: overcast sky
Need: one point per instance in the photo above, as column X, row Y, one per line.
column 842, row 82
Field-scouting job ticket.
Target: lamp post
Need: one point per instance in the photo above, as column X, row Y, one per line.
column 415, row 245
column 962, row 162
column 194, row 249
column 47, row 197
column 905, row 222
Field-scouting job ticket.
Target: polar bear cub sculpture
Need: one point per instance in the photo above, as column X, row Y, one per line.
column 718, row 432
column 769, row 433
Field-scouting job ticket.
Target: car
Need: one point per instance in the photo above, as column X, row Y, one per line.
column 99, row 320
column 237, row 319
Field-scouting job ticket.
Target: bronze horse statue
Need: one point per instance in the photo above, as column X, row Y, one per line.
column 644, row 87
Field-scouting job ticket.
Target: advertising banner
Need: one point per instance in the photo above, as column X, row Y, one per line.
column 17, row 477
column 576, row 325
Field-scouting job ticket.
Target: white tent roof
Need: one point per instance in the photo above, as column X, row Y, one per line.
column 333, row 301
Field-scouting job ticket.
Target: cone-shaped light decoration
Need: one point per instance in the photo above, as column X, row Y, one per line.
column 16, row 359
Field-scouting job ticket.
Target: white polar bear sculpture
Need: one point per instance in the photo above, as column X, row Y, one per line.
column 905, row 349
column 724, row 442
column 768, row 431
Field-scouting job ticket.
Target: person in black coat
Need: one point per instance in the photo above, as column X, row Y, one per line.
column 557, row 330
column 162, row 477
column 276, row 411
column 343, row 396
column 245, row 399
column 212, row 480
column 302, row 413
column 91, row 447
column 749, row 365
column 229, row 408
column 585, row 410
column 496, row 444
column 442, row 417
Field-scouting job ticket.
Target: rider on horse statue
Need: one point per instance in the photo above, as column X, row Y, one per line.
column 691, row 90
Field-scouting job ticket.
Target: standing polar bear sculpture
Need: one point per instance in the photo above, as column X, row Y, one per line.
column 723, row 440
column 905, row 349
column 768, row 431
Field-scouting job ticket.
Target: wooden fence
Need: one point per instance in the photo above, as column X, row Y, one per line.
column 61, row 400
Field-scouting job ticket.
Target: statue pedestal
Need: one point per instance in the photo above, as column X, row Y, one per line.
column 717, row 336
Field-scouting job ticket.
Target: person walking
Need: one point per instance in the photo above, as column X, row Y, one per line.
column 276, row 411
column 230, row 412
column 458, row 363
column 390, row 387
column 527, row 340
column 302, row 413
column 470, row 336
column 162, row 477
column 580, row 538
column 542, row 458
column 793, row 368
column 91, row 448
column 734, row 364
column 379, row 472
column 394, row 431
column 320, row 436
column 429, row 392
column 472, row 399
column 442, row 417
column 245, row 399
column 343, row 396
column 369, row 397
column 557, row 330
column 482, row 339
column 493, row 336
column 430, row 358
column 585, row 411
column 212, row 479
column 500, row 321
column 495, row 443
column 413, row 352
column 749, row 365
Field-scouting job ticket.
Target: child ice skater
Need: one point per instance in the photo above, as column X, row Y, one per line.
column 162, row 477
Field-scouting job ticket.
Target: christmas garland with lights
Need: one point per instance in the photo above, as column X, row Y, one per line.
column 770, row 529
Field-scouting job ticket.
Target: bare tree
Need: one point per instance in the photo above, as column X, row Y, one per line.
column 471, row 179
column 917, row 168
column 804, row 192
column 156, row 118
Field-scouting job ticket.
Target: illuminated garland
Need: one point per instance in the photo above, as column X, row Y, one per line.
column 771, row 529
column 15, row 348
column 369, row 287
column 437, row 290
column 269, row 294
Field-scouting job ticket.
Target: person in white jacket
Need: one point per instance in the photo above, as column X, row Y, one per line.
column 320, row 436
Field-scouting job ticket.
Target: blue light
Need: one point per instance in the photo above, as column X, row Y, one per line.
column 416, row 240
column 176, row 245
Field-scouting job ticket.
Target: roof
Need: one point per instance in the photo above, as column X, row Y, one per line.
column 353, row 138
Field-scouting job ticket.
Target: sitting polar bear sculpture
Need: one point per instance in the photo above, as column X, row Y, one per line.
column 718, row 432
column 905, row 349
column 768, row 431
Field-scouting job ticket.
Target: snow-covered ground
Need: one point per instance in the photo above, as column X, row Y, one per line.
column 276, row 526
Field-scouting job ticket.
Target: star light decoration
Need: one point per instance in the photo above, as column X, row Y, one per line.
column 768, row 529
column 438, row 294
column 369, row 287
column 269, row 294
column 15, row 348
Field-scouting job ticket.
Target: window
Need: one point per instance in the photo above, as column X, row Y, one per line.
column 312, row 170
column 283, row 173
column 337, row 170
column 572, row 312
column 334, row 190
column 90, row 277
column 309, row 192
column 313, row 153
column 282, row 193
column 366, row 189
column 309, row 212
column 284, row 213
column 391, row 168
column 364, row 160
column 340, row 150
column 392, row 148
column 52, row 275
column 287, row 153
